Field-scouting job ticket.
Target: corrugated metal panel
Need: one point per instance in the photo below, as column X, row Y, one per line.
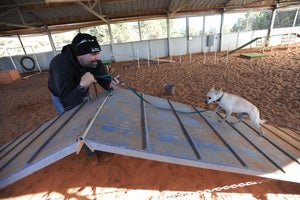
column 130, row 7
column 61, row 12
column 124, row 124
column 208, row 4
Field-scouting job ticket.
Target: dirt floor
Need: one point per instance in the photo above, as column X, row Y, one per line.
column 272, row 83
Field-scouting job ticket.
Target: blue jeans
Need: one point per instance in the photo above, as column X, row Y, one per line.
column 57, row 102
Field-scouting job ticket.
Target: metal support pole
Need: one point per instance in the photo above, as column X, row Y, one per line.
column 168, row 35
column 140, row 34
column 187, row 35
column 270, row 28
column 37, row 62
column 22, row 45
column 203, row 33
column 51, row 41
column 157, row 56
column 138, row 59
column 148, row 52
column 111, row 42
column 11, row 59
column 221, row 31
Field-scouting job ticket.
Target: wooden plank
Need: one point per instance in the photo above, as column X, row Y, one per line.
column 267, row 149
column 284, row 136
column 295, row 133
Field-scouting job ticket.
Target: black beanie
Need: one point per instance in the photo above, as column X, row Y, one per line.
column 84, row 43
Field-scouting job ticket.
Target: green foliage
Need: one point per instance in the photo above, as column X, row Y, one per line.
column 253, row 21
column 62, row 39
column 177, row 27
column 153, row 29
column 284, row 19
column 195, row 26
column 241, row 24
column 8, row 42
column 298, row 19
column 262, row 20
column 125, row 32
column 101, row 32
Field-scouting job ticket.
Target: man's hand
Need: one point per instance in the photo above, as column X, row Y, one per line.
column 87, row 79
column 114, row 82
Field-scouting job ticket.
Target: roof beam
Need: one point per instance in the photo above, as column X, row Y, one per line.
column 21, row 4
column 106, row 1
column 21, row 16
column 228, row 1
column 259, row 4
column 102, row 17
column 9, row 11
column 17, row 10
column 94, row 4
column 17, row 25
column 116, row 1
column 180, row 7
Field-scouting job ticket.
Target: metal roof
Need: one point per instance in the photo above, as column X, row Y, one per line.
column 162, row 130
column 36, row 16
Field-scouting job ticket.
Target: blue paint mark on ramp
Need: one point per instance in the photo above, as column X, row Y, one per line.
column 108, row 128
column 167, row 138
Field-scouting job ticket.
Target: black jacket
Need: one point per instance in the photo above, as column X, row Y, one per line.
column 64, row 77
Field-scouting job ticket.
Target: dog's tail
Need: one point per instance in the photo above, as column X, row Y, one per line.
column 262, row 121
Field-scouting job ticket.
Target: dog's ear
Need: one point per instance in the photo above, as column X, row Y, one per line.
column 220, row 90
column 213, row 87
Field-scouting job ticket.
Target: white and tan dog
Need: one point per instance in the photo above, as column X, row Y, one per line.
column 234, row 104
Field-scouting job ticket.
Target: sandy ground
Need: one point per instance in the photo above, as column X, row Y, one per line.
column 272, row 83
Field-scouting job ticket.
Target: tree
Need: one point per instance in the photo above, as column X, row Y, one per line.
column 284, row 19
column 153, row 29
column 298, row 19
column 125, row 32
column 261, row 21
column 241, row 24
column 101, row 32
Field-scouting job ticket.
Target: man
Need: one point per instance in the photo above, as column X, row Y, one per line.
column 72, row 71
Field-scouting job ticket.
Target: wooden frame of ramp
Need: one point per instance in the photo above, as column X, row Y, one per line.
column 123, row 123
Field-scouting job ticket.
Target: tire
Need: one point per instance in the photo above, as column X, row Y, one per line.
column 23, row 65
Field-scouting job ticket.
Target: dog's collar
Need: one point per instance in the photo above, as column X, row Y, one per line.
column 220, row 98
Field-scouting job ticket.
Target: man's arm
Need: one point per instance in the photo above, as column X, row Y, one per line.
column 100, row 71
column 67, row 84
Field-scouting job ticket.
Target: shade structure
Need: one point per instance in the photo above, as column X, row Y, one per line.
column 149, row 127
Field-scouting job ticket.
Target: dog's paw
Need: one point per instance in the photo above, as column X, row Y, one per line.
column 221, row 121
column 261, row 134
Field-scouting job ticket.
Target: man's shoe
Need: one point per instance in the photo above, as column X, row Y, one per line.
column 106, row 157
column 94, row 159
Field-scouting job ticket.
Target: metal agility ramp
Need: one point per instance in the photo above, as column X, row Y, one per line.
column 162, row 130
